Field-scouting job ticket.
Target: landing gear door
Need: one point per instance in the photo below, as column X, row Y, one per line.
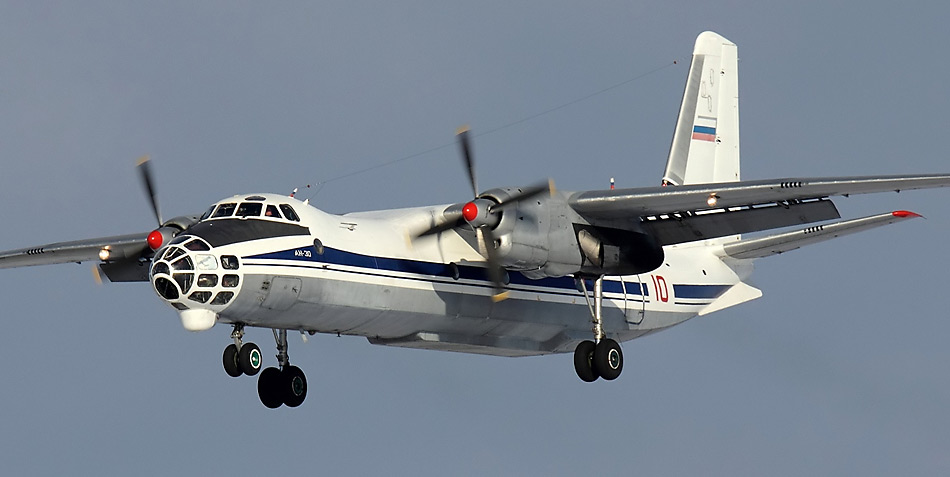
column 282, row 293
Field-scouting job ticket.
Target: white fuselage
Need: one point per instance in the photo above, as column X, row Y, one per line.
column 359, row 274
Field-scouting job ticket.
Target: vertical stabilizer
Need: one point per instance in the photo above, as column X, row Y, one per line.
column 705, row 145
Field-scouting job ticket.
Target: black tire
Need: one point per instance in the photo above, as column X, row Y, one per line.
column 269, row 388
column 584, row 361
column 231, row 365
column 608, row 359
column 294, row 384
column 250, row 359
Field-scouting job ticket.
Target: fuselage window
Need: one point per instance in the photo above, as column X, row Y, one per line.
column 289, row 212
column 207, row 281
column 229, row 262
column 249, row 209
column 222, row 298
column 224, row 210
column 272, row 212
column 183, row 263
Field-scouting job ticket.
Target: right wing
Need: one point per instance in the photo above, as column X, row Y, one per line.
column 678, row 214
column 654, row 201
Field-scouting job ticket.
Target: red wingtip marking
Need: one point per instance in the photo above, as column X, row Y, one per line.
column 905, row 213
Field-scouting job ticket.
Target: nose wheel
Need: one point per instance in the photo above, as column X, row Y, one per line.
column 603, row 357
column 241, row 358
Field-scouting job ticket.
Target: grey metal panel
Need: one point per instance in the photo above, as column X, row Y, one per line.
column 687, row 228
column 646, row 201
column 121, row 247
column 784, row 242
column 131, row 270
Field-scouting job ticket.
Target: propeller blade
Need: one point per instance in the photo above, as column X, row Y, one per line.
column 525, row 194
column 465, row 145
column 451, row 218
column 146, row 173
column 486, row 242
column 96, row 274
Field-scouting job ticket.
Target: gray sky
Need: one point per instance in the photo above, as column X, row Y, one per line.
column 839, row 368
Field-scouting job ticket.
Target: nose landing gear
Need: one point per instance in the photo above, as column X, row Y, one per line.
column 241, row 358
column 602, row 357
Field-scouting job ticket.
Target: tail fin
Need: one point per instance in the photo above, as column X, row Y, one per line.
column 705, row 145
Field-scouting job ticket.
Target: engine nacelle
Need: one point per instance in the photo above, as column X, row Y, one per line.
column 618, row 252
column 544, row 237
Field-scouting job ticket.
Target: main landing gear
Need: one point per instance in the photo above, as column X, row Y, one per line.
column 276, row 386
column 284, row 385
column 602, row 357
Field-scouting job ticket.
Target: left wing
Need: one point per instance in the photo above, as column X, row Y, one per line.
column 656, row 201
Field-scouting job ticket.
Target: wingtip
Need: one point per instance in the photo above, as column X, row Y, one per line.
column 903, row 214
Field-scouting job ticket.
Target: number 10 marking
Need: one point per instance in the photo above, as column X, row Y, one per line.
column 659, row 286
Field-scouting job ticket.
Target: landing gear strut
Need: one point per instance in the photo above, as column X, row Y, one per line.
column 603, row 356
column 284, row 385
column 241, row 358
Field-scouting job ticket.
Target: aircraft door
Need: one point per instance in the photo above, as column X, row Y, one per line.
column 282, row 293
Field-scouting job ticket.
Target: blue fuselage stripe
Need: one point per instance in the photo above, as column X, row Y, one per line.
column 333, row 256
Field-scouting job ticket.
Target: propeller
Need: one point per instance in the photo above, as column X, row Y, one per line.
column 145, row 172
column 482, row 215
column 162, row 234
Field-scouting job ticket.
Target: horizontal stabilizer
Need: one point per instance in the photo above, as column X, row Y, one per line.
column 737, row 294
column 784, row 242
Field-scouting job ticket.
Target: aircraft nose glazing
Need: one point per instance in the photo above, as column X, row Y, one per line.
column 189, row 275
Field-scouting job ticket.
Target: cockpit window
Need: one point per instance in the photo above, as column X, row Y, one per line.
column 197, row 245
column 249, row 209
column 289, row 212
column 224, row 210
column 206, row 214
column 272, row 211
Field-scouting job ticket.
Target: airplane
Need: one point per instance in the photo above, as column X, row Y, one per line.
column 514, row 271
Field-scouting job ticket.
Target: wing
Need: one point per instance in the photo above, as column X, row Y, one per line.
column 654, row 201
column 110, row 250
column 703, row 211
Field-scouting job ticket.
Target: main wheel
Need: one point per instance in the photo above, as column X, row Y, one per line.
column 231, row 365
column 250, row 359
column 584, row 361
column 608, row 359
column 294, row 386
column 269, row 388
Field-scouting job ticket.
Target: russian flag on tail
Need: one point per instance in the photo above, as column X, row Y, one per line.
column 704, row 129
